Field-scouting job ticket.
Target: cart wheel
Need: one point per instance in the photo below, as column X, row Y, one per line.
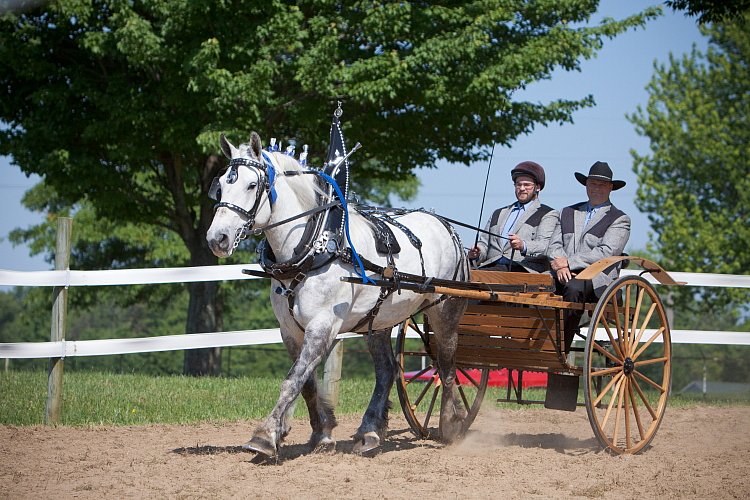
column 420, row 399
column 628, row 362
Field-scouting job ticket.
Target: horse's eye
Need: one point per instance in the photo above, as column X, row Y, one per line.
column 252, row 185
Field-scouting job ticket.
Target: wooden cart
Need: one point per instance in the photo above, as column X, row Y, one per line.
column 515, row 321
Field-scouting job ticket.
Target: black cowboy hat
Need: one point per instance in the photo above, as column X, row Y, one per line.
column 601, row 171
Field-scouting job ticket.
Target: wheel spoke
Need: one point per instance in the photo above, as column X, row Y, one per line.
column 626, row 406
column 634, row 403
column 611, row 402
column 468, row 377
column 606, row 371
column 431, row 407
column 626, row 337
column 607, row 353
column 649, row 381
column 416, row 375
column 606, row 388
column 663, row 359
column 618, row 411
column 648, row 342
column 644, row 399
column 422, row 394
column 645, row 324
column 618, row 325
column 615, row 343
column 467, row 406
column 636, row 314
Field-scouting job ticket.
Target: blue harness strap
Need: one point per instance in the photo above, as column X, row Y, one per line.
column 345, row 208
column 271, row 172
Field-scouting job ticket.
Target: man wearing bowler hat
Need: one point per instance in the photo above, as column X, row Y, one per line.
column 521, row 231
column 585, row 233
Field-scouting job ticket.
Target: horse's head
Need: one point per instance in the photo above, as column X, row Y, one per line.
column 243, row 193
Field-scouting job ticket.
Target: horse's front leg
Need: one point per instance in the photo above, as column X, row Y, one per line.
column 322, row 419
column 372, row 431
column 318, row 338
column 452, row 412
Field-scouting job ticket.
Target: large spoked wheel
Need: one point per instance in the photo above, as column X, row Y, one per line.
column 420, row 388
column 627, row 366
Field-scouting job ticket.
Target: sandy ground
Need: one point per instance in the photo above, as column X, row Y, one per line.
column 700, row 452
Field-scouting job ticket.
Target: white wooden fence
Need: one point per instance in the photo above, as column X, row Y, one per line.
column 62, row 279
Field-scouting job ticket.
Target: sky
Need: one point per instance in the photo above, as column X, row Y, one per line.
column 617, row 79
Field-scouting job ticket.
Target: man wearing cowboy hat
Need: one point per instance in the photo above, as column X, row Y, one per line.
column 585, row 233
column 521, row 231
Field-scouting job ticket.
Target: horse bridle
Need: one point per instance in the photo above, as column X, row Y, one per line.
column 265, row 184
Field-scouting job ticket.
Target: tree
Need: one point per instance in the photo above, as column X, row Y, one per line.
column 711, row 11
column 695, row 182
column 119, row 105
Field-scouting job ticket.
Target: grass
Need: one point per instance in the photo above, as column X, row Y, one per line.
column 95, row 398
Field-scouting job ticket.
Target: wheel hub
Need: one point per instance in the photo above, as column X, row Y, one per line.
column 628, row 366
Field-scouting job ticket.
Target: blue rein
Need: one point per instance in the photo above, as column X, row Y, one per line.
column 355, row 255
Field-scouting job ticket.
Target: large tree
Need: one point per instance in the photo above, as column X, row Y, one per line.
column 695, row 181
column 119, row 104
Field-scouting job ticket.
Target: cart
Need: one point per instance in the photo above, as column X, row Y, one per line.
column 516, row 321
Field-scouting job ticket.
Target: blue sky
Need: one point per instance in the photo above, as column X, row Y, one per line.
column 616, row 78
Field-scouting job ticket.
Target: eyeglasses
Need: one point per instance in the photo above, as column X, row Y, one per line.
column 525, row 185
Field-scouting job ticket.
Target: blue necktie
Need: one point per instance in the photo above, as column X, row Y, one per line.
column 512, row 218
column 589, row 215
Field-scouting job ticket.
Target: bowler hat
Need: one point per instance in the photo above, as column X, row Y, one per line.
column 601, row 171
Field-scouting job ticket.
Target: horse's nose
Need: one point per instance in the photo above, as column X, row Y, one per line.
column 219, row 244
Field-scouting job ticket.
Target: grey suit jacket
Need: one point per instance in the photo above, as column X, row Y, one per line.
column 536, row 238
column 583, row 248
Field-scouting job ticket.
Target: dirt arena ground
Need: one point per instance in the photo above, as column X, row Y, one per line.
column 699, row 452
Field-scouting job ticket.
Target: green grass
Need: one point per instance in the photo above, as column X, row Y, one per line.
column 94, row 398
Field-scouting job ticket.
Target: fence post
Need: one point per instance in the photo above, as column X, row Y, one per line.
column 59, row 316
column 332, row 373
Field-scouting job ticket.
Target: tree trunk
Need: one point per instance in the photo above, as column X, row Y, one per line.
column 204, row 315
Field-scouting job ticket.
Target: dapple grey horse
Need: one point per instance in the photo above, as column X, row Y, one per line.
column 324, row 306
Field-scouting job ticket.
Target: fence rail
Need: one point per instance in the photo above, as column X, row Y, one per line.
column 104, row 347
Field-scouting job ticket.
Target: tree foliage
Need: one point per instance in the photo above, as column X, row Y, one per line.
column 695, row 181
column 118, row 105
column 712, row 11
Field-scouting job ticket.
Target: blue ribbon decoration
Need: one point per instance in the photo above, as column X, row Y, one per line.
column 344, row 206
column 271, row 177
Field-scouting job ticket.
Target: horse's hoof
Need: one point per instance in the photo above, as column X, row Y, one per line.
column 451, row 430
column 369, row 442
column 260, row 446
column 324, row 445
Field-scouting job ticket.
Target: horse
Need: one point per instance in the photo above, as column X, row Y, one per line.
column 273, row 193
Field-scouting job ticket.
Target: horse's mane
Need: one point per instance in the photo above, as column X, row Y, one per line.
column 303, row 186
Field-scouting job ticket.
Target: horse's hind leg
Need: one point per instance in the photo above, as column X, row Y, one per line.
column 372, row 430
column 317, row 340
column 444, row 319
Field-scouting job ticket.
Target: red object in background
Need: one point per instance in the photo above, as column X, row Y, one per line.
column 498, row 378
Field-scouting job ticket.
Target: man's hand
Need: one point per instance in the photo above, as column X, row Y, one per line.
column 562, row 271
column 473, row 253
column 516, row 242
column 559, row 263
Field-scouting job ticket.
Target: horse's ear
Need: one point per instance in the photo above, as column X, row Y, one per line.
column 255, row 145
column 226, row 146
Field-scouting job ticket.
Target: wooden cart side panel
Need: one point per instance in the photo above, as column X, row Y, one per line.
column 536, row 344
